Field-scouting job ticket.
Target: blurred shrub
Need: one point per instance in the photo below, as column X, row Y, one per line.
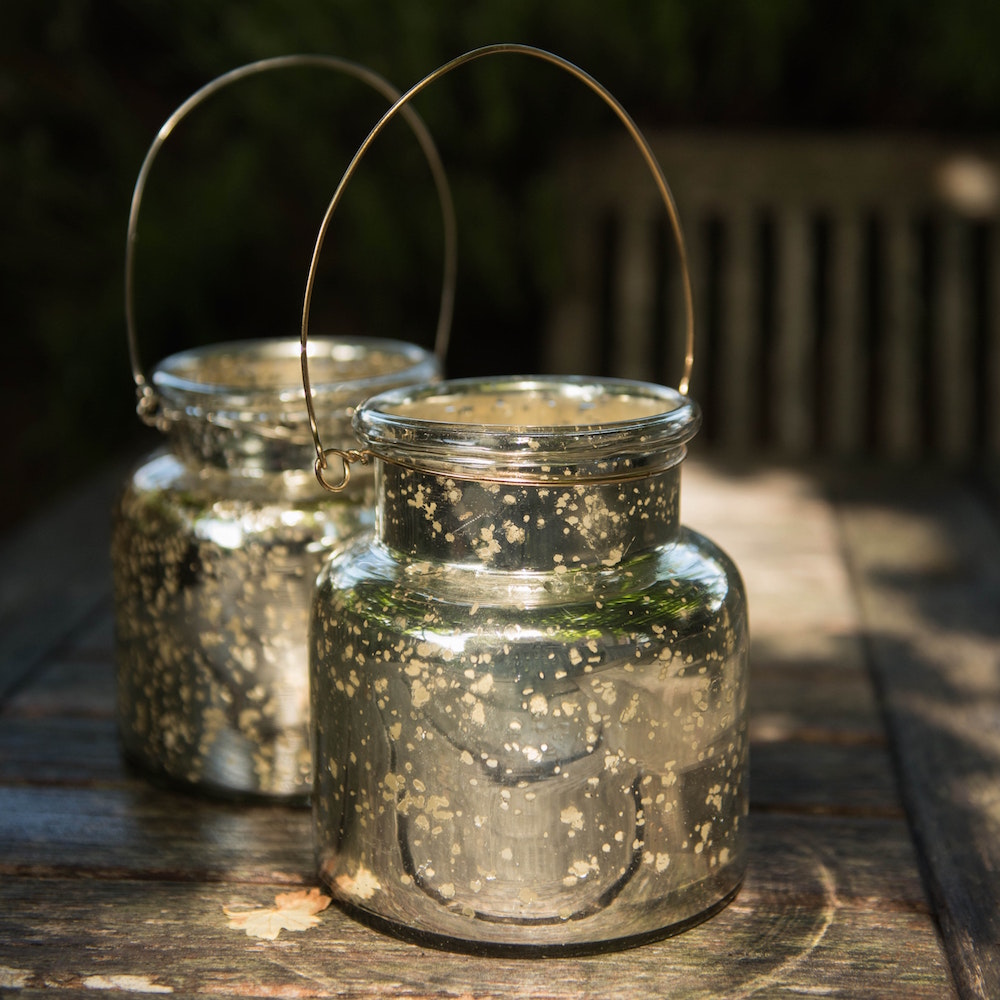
column 235, row 198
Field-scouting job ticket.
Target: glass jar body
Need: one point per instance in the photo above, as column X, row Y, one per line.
column 518, row 746
column 213, row 583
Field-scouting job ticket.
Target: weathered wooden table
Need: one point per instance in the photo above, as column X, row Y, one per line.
column 875, row 817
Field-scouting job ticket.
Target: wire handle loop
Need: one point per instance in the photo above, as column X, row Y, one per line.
column 148, row 403
column 348, row 458
column 470, row 56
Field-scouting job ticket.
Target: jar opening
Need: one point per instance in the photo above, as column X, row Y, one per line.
column 264, row 375
column 533, row 408
column 240, row 406
column 527, row 429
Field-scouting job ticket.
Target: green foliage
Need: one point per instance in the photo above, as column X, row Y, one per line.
column 236, row 198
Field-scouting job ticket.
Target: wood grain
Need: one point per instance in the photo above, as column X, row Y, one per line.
column 56, row 571
column 926, row 558
column 109, row 882
column 811, row 912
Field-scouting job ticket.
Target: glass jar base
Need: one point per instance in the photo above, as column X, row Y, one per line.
column 530, row 943
column 216, row 791
column 615, row 927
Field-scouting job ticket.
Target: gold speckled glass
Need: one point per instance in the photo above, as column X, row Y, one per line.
column 217, row 541
column 528, row 679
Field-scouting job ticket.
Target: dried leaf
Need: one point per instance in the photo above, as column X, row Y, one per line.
column 306, row 900
column 293, row 911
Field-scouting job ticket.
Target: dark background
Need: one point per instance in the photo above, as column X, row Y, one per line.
column 236, row 196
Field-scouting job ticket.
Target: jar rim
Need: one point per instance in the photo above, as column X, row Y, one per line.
column 262, row 376
column 536, row 428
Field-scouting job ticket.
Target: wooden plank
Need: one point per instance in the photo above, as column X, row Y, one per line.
column 823, row 779
column 61, row 750
column 68, row 687
column 813, row 701
column 696, row 243
column 738, row 392
column 572, row 339
column 54, row 572
column 953, row 373
column 782, row 532
column 795, row 335
column 991, row 331
column 77, row 680
column 823, row 910
column 896, row 401
column 926, row 556
column 135, row 831
column 844, row 365
column 809, row 679
column 634, row 293
column 670, row 322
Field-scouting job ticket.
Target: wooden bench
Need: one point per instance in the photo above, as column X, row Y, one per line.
column 845, row 287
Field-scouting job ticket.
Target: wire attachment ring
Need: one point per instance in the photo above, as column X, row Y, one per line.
column 348, row 458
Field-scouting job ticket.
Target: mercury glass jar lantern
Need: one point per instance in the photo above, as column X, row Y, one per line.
column 529, row 679
column 219, row 534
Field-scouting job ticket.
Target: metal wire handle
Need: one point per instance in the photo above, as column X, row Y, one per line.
column 147, row 400
column 479, row 53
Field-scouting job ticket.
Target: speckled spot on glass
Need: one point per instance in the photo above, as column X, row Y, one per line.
column 528, row 679
column 217, row 542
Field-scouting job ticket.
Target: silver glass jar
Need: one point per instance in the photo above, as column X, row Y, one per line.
column 217, row 540
column 529, row 680
column 218, row 536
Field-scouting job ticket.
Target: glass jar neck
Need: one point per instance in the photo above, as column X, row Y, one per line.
column 264, row 447
column 238, row 408
column 555, row 527
column 247, row 463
